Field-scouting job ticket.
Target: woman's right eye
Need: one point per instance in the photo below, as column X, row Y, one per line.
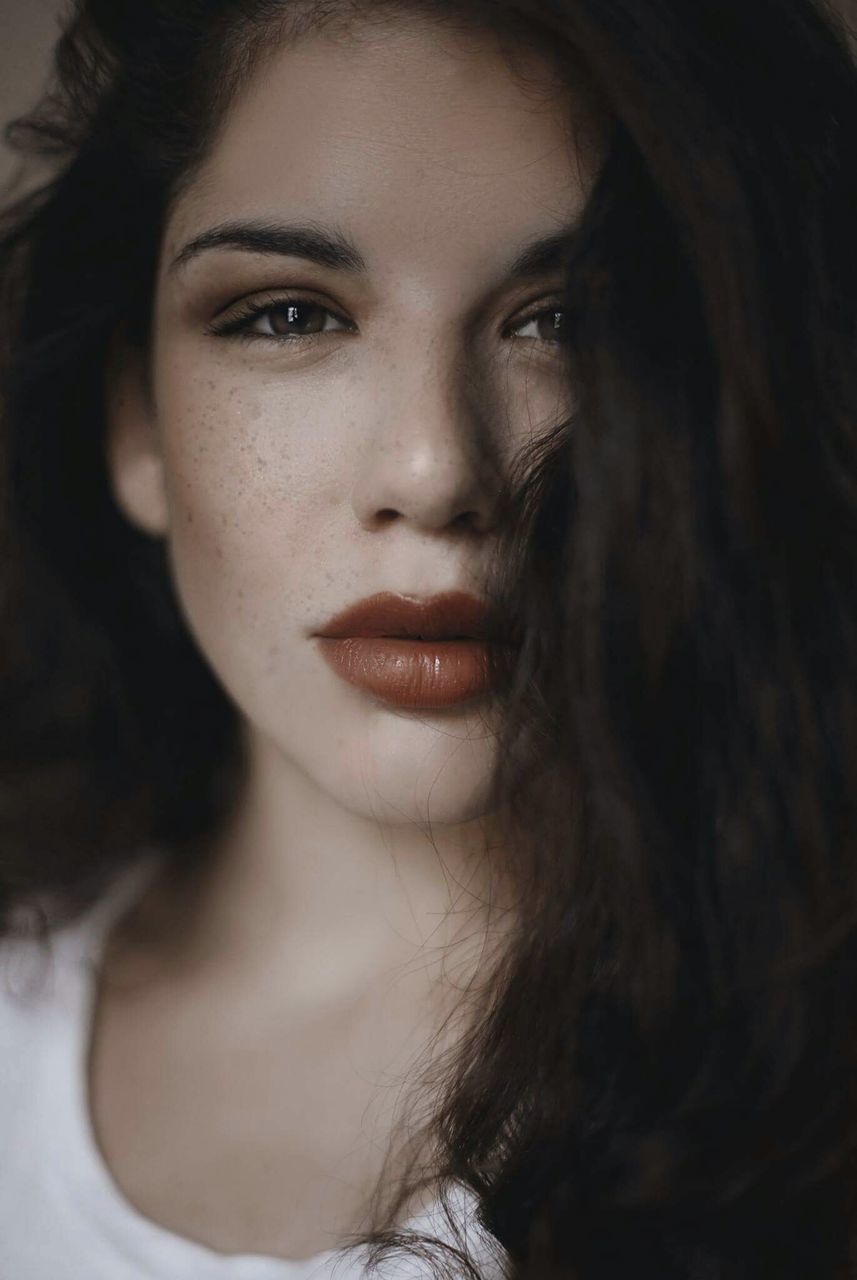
column 281, row 319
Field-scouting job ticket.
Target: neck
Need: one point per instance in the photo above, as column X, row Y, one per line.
column 296, row 884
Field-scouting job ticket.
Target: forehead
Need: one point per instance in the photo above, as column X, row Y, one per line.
column 414, row 138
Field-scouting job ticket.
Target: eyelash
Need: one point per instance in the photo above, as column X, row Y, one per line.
column 238, row 325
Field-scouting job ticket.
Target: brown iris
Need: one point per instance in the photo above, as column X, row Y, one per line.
column 552, row 325
column 297, row 317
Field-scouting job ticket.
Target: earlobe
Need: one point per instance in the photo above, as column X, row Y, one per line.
column 134, row 457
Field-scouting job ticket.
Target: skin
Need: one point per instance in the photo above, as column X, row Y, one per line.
column 291, row 479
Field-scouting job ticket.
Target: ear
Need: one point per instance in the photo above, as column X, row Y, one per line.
column 134, row 458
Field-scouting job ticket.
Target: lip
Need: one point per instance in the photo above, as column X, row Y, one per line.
column 413, row 653
column 442, row 617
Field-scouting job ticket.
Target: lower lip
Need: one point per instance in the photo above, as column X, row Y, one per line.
column 424, row 674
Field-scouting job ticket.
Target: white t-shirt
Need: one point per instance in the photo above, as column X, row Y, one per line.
column 62, row 1217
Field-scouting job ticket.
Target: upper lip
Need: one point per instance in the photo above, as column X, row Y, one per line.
column 452, row 614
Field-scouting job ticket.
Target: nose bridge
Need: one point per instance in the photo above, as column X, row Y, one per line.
column 429, row 456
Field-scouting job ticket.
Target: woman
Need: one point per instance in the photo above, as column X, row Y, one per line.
column 429, row 646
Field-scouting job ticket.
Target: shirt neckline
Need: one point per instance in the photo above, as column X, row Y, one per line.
column 98, row 1196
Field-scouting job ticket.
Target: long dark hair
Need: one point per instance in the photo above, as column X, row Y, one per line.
column 661, row 1080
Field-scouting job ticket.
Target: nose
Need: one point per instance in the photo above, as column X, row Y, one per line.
column 430, row 459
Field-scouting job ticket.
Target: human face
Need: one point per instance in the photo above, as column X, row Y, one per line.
column 294, row 476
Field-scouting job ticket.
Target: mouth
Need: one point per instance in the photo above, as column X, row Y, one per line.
column 414, row 654
column 453, row 615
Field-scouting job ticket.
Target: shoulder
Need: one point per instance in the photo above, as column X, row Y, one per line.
column 36, row 1021
column 34, row 973
column 44, row 975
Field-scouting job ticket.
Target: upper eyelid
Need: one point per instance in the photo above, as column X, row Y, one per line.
column 262, row 301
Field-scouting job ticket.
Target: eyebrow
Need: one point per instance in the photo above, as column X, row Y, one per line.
column 329, row 247
column 326, row 246
column 543, row 256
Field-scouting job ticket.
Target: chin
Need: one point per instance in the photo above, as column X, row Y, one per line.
column 446, row 783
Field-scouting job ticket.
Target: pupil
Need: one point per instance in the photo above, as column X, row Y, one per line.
column 553, row 325
column 305, row 317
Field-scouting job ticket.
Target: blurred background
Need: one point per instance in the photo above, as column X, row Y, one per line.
column 28, row 30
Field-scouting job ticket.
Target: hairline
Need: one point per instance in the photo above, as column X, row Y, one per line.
column 242, row 53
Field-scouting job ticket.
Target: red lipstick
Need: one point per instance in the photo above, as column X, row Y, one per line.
column 413, row 653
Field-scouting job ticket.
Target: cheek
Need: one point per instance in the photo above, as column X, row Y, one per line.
column 536, row 398
column 253, row 475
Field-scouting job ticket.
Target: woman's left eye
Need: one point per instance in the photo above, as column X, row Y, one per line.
column 289, row 319
column 548, row 325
